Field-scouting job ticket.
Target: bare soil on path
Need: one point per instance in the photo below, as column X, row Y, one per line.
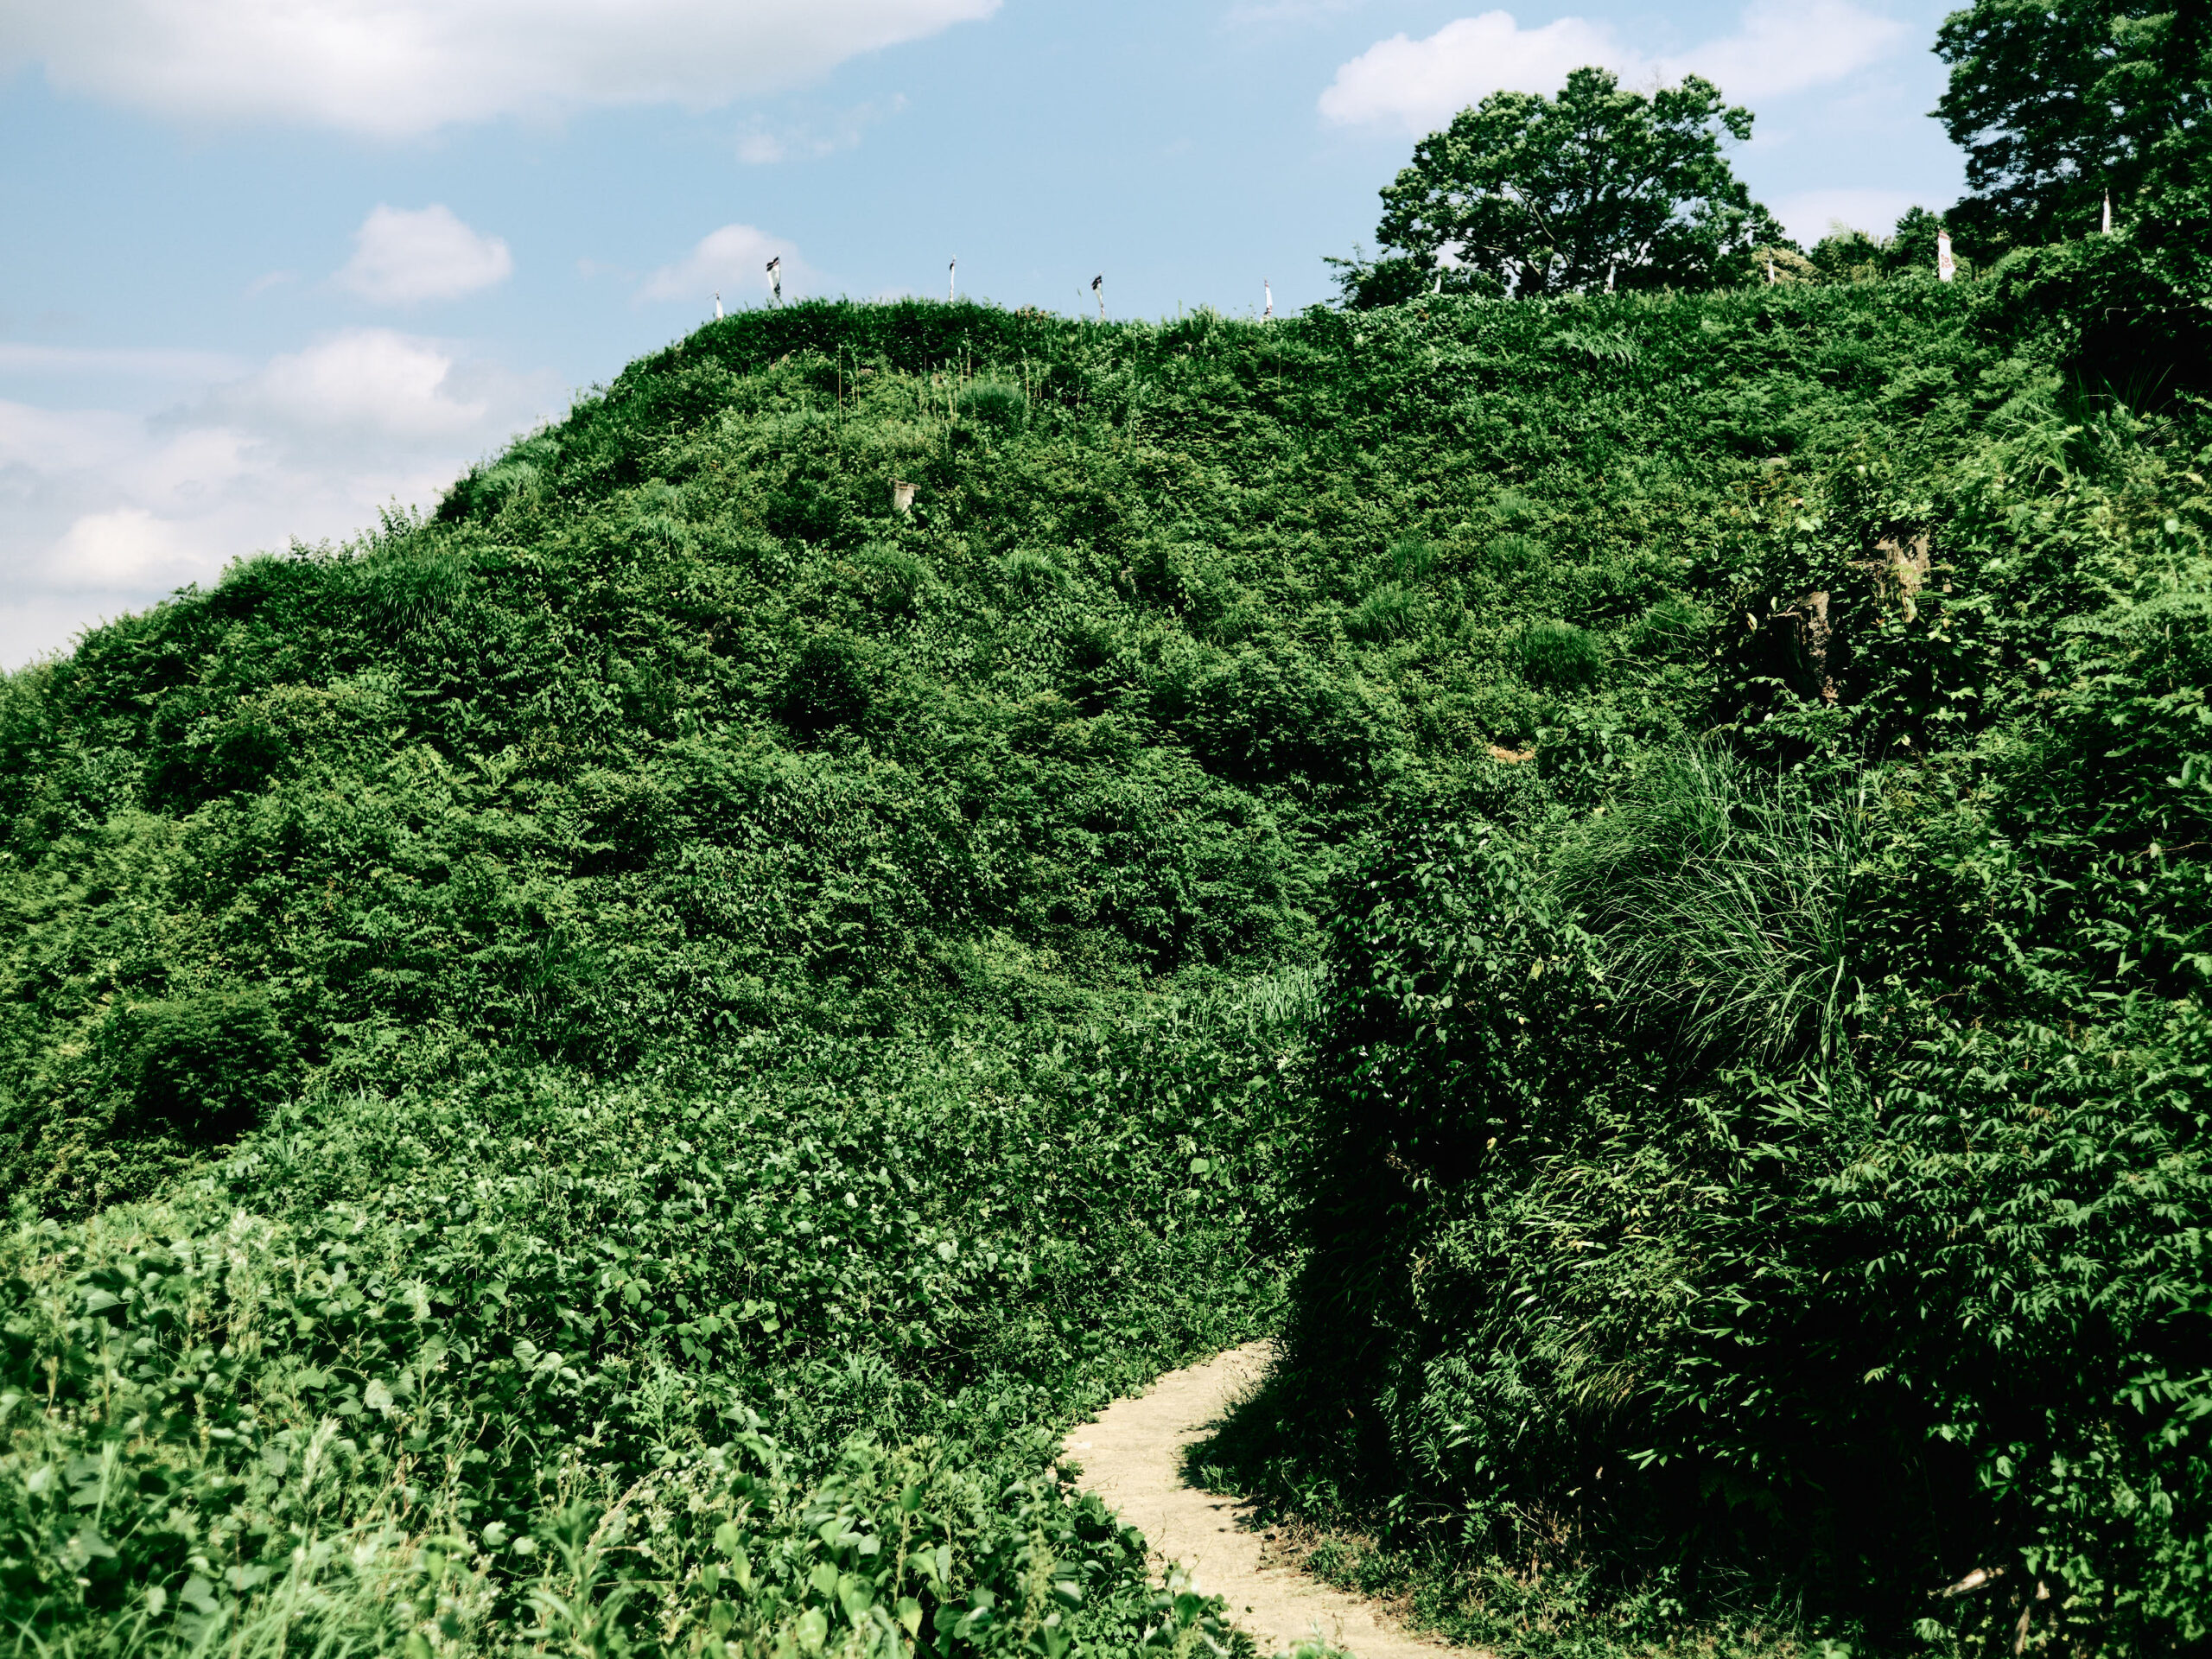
column 1132, row 1456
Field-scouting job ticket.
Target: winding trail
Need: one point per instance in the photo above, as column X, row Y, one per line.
column 1132, row 1456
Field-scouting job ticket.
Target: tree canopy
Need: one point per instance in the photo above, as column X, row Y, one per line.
column 2057, row 102
column 1595, row 189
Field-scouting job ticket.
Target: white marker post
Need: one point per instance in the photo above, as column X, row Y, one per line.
column 1946, row 266
column 2107, row 212
column 952, row 281
column 718, row 308
column 1098, row 291
column 1268, row 291
column 776, row 279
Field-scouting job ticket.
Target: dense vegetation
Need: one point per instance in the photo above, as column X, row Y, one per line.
column 1800, row 1162
column 607, row 1069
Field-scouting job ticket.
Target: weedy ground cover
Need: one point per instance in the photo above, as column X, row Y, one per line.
column 605, row 1070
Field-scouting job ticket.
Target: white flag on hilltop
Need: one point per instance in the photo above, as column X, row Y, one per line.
column 1946, row 266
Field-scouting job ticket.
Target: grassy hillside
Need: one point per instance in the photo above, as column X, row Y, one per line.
column 608, row 1068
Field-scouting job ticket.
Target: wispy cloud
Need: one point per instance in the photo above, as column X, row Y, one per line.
column 397, row 68
column 1778, row 47
column 764, row 141
column 21, row 357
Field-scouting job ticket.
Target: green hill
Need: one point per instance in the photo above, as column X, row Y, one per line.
column 607, row 1069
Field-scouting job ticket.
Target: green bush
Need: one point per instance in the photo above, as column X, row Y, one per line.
column 202, row 1067
column 1513, row 554
column 1673, row 630
column 2115, row 312
column 1559, row 657
column 1412, row 559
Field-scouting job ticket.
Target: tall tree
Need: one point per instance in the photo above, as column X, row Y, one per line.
column 2058, row 102
column 1595, row 189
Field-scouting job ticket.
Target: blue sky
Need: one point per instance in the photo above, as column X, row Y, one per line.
column 272, row 264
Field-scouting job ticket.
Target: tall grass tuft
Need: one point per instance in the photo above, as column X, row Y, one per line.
column 1722, row 904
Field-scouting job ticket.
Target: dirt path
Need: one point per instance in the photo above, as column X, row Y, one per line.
column 1132, row 1456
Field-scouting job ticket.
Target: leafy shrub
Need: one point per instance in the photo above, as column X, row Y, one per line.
column 202, row 1067
column 498, row 1392
column 1725, row 908
column 1559, row 656
column 1777, row 1140
column 1257, row 717
column 1666, row 1226
column 1509, row 713
column 1584, row 753
column 896, row 579
column 2108, row 310
column 1032, row 575
column 412, row 588
column 829, row 687
column 518, row 476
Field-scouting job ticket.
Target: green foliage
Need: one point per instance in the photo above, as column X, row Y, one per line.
column 2057, row 105
column 1725, row 907
column 1595, row 189
column 611, row 1069
column 993, row 404
column 1853, row 256
column 2111, row 311
column 1559, row 656
column 499, row 1359
column 1821, row 1118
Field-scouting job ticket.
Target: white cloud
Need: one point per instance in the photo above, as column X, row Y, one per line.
column 1811, row 215
column 732, row 261
column 1786, row 46
column 123, row 548
column 401, row 67
column 104, row 510
column 403, row 258
column 1422, row 84
column 765, row 143
column 1780, row 46
column 370, row 384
